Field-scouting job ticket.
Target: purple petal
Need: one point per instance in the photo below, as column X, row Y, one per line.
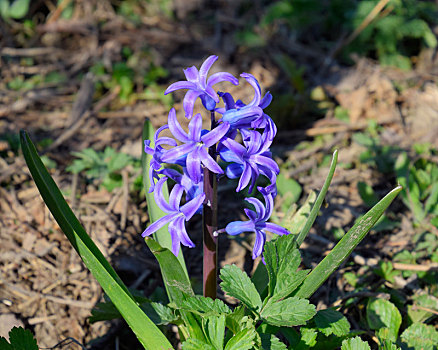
column 173, row 230
column 189, row 209
column 228, row 100
column 195, row 127
column 193, row 164
column 266, row 100
column 258, row 205
column 254, row 142
column 209, row 162
column 269, row 200
column 158, row 224
column 212, row 93
column 213, row 136
column 250, row 213
column 259, row 243
column 192, row 75
column 235, row 147
column 235, row 116
column 189, row 101
column 234, row 170
column 255, row 84
column 165, row 141
column 238, row 227
column 147, row 148
column 159, row 198
column 267, row 162
column 245, row 178
column 175, row 153
column 274, row 228
column 230, row 156
column 181, row 85
column 205, row 67
column 175, row 197
column 182, row 233
column 222, row 76
column 175, row 127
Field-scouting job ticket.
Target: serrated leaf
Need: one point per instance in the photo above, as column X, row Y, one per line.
column 271, row 342
column 159, row 313
column 237, row 321
column 388, row 345
column 420, row 337
column 355, row 344
column 237, row 284
column 215, row 327
column 196, row 344
column 22, row 339
column 282, row 260
column 381, row 315
column 330, row 321
column 288, row 312
column 205, row 306
column 308, row 337
column 4, row 344
column 242, row 340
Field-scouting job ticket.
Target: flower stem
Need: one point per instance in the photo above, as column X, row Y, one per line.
column 209, row 226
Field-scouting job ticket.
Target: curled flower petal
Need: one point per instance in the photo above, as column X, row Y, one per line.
column 259, row 244
column 238, row 227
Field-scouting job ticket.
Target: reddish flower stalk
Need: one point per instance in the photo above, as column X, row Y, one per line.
column 209, row 226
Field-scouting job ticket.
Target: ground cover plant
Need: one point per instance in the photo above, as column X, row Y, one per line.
column 83, row 89
column 279, row 299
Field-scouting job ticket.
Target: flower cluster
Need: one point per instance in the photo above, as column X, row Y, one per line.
column 244, row 161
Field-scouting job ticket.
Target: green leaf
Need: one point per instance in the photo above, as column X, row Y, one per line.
column 196, row 344
column 308, row 337
column 271, row 342
column 383, row 316
column 237, row 321
column 282, row 261
column 145, row 330
column 288, row 312
column 419, row 336
column 20, row 339
column 177, row 284
column 159, row 313
column 388, row 345
column 345, row 246
column 205, row 306
column 355, row 344
column 242, row 340
column 237, row 284
column 330, row 321
column 295, row 222
column 18, row 9
column 162, row 236
column 215, row 327
column 289, row 189
column 367, row 194
column 315, row 210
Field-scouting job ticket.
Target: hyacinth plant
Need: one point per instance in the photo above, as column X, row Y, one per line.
column 274, row 301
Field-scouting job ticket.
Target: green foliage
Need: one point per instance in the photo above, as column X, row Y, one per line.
column 15, row 9
column 355, row 344
column 19, row 339
column 330, row 322
column 103, row 166
column 398, row 32
column 384, row 317
column 419, row 336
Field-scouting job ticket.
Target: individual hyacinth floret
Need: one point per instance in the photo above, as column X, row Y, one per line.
column 198, row 150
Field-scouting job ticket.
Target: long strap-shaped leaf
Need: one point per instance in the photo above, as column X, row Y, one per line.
column 145, row 330
column 345, row 246
column 162, row 236
column 315, row 210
